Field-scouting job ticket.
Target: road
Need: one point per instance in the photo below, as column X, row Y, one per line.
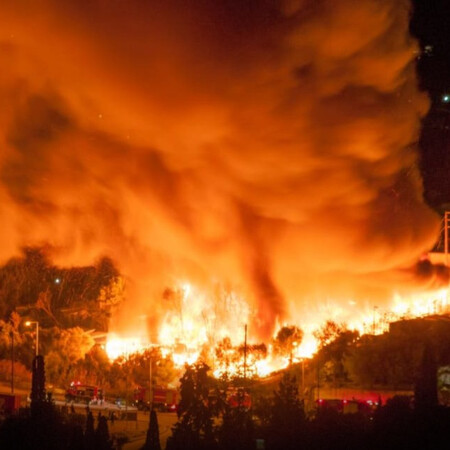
column 137, row 438
column 135, row 430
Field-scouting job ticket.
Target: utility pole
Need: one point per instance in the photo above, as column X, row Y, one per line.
column 303, row 377
column 126, row 387
column 150, row 390
column 446, row 221
column 11, row 333
column 318, row 379
column 245, row 352
column 373, row 320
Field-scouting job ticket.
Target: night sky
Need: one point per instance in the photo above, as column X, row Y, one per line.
column 430, row 23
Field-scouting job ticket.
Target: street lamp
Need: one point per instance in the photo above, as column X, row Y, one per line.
column 27, row 324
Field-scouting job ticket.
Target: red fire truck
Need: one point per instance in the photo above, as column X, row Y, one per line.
column 165, row 400
column 238, row 397
column 78, row 392
column 346, row 406
column 9, row 403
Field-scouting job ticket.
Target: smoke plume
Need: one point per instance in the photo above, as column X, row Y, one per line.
column 268, row 143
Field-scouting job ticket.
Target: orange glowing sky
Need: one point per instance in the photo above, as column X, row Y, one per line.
column 269, row 144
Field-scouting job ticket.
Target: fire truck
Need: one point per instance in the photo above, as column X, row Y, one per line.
column 239, row 398
column 345, row 406
column 83, row 393
column 9, row 403
column 235, row 397
column 165, row 400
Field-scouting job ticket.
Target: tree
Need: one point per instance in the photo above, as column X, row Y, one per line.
column 89, row 433
column 38, row 394
column 335, row 343
column 287, row 338
column 389, row 360
column 328, row 333
column 226, row 355
column 9, row 329
column 236, row 429
column 83, row 296
column 287, row 416
column 95, row 366
column 67, row 348
column 102, row 441
column 76, row 439
column 425, row 392
column 46, row 421
column 152, row 441
column 22, row 279
column 194, row 429
column 56, row 367
column 45, row 304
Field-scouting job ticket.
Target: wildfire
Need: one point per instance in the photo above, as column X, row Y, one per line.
column 122, row 346
column 197, row 326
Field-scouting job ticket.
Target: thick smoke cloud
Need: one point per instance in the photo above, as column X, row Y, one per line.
column 269, row 143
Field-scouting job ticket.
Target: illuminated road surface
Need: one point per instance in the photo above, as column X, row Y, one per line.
column 165, row 422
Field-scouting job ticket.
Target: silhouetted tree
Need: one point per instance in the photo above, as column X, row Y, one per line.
column 40, row 406
column 76, row 439
column 287, row 414
column 335, row 343
column 236, row 430
column 102, row 441
column 287, row 339
column 89, row 434
column 38, row 380
column 194, row 429
column 152, row 441
column 425, row 392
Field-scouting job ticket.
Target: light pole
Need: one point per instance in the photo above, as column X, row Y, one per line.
column 28, row 323
column 446, row 222
column 150, row 391
column 373, row 323
column 245, row 353
column 11, row 333
column 303, row 377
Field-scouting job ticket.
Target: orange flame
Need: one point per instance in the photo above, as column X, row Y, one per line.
column 195, row 330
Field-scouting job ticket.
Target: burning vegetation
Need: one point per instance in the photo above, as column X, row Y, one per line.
column 76, row 308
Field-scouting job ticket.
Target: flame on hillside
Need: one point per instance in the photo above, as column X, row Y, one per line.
column 199, row 328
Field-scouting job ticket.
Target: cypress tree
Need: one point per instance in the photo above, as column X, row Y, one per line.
column 76, row 440
column 38, row 380
column 39, row 404
column 152, row 441
column 102, row 435
column 89, row 434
